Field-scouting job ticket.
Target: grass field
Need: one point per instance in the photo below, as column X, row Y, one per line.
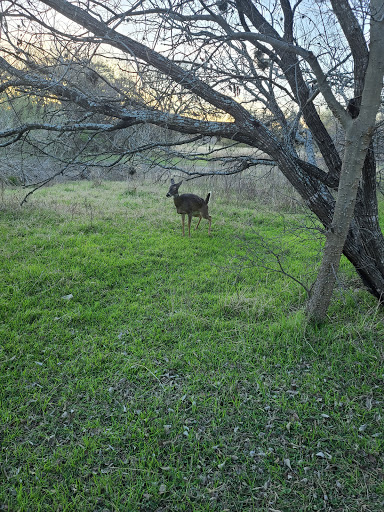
column 143, row 371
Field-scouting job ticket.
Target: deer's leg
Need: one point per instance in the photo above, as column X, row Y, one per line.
column 182, row 221
column 198, row 222
column 189, row 225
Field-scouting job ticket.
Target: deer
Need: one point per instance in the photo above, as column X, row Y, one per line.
column 191, row 205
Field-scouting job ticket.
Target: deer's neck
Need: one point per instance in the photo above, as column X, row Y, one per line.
column 177, row 200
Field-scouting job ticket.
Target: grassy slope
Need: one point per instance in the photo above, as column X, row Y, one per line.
column 174, row 379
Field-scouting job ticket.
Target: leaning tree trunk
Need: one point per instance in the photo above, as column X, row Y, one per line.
column 355, row 152
column 361, row 240
column 358, row 137
column 364, row 243
column 364, row 246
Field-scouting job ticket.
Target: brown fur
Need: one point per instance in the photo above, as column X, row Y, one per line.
column 189, row 204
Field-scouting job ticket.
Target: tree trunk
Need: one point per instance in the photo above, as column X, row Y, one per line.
column 358, row 138
column 364, row 242
column 355, row 152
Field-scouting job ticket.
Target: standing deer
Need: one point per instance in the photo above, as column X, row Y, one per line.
column 189, row 204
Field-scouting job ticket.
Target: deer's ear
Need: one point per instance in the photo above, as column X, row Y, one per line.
column 180, row 183
column 172, row 181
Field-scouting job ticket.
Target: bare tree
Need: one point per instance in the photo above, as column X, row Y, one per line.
column 254, row 72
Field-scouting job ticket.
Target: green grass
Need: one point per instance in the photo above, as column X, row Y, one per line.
column 181, row 375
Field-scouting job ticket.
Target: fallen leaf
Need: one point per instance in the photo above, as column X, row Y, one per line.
column 324, row 455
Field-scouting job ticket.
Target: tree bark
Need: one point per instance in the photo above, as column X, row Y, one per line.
column 358, row 138
column 355, row 152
